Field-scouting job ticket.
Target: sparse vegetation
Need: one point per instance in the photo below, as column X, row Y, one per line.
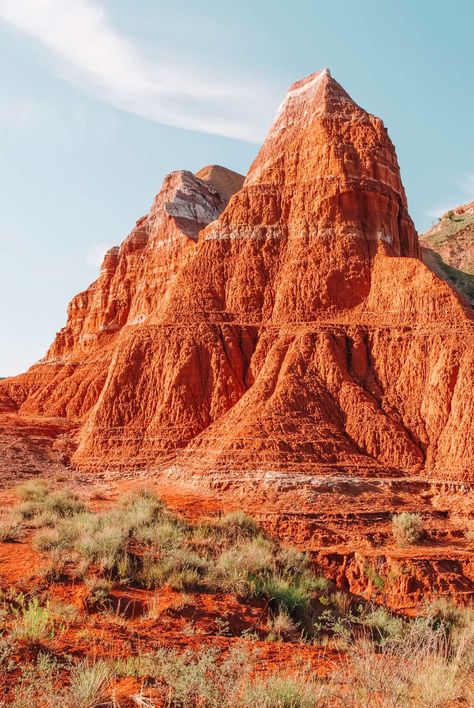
column 386, row 660
column 42, row 506
column 294, row 691
column 143, row 543
column 407, row 528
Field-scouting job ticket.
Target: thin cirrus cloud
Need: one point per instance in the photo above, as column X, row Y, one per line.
column 95, row 255
column 95, row 56
column 466, row 185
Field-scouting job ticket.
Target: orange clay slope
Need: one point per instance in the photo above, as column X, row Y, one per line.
column 293, row 329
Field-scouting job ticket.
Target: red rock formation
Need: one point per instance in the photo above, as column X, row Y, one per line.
column 299, row 331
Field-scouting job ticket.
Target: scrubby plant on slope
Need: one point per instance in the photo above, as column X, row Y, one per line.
column 407, row 528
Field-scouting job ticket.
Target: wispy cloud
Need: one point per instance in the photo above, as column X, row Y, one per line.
column 94, row 55
column 465, row 185
column 437, row 212
column 95, row 255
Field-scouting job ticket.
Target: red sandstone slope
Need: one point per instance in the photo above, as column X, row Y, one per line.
column 298, row 330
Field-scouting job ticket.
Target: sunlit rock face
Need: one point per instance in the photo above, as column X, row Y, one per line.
column 281, row 323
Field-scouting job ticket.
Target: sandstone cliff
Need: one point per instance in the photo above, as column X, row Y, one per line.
column 286, row 324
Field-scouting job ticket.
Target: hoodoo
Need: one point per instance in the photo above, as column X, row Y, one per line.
column 285, row 323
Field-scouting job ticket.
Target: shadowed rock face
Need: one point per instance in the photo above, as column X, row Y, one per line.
column 295, row 330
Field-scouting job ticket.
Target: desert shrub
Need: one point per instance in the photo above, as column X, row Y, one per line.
column 164, row 535
column 237, row 524
column 283, row 692
column 94, row 538
column 238, row 567
column 180, row 568
column 231, row 528
column 281, row 626
column 407, row 528
column 384, row 626
column 293, row 595
column 341, row 603
column 48, row 540
column 90, row 684
column 43, row 506
column 99, row 593
column 415, row 668
column 37, row 684
column 455, row 628
column 104, row 539
column 33, row 623
column 204, row 678
column 10, row 530
column 130, row 665
column 443, row 614
column 32, row 490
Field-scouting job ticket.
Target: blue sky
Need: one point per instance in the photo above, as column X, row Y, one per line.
column 100, row 99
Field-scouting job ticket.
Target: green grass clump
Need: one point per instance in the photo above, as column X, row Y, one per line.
column 34, row 622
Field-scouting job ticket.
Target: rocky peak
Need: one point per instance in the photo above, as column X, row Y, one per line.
column 317, row 94
column 227, row 182
column 299, row 331
column 191, row 202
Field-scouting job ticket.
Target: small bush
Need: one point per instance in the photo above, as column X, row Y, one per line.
column 198, row 679
column 383, row 624
column 37, row 685
column 90, row 684
column 282, row 627
column 42, row 506
column 33, row 490
column 164, row 535
column 238, row 524
column 34, row 623
column 283, row 692
column 11, row 531
column 233, row 527
column 99, row 593
column 237, row 568
column 416, row 669
column 407, row 528
column 180, row 568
